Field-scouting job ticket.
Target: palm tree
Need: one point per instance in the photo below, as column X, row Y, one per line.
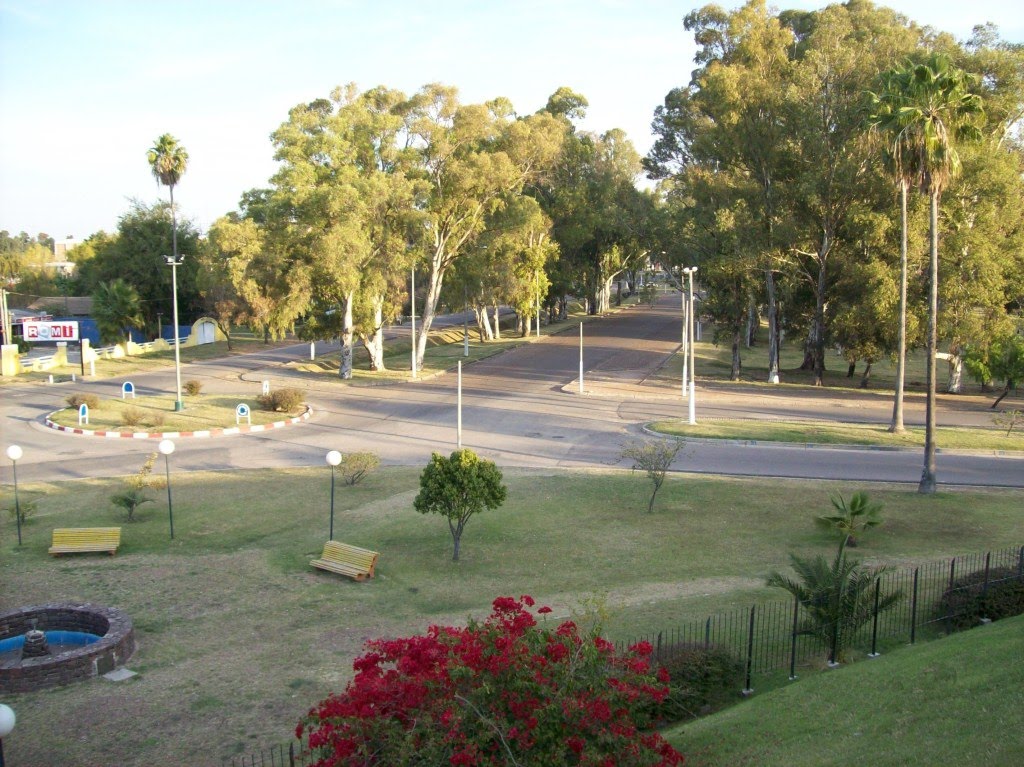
column 930, row 109
column 117, row 309
column 838, row 597
column 885, row 119
column 168, row 161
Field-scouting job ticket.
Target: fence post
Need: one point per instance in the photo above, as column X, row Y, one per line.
column 747, row 690
column 952, row 573
column 988, row 562
column 792, row 652
column 1020, row 563
column 291, row 755
column 913, row 610
column 707, row 632
column 874, row 627
column 657, row 654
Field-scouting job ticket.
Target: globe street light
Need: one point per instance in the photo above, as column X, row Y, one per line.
column 689, row 272
column 333, row 459
column 167, row 447
column 173, row 262
column 14, row 452
column 7, row 720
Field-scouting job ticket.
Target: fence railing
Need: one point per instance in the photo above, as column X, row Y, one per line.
column 768, row 637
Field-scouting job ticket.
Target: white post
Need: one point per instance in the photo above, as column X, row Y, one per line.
column 459, row 408
column 686, row 336
column 581, row 358
column 693, row 392
column 412, row 298
column 538, row 306
column 178, row 404
column 312, row 350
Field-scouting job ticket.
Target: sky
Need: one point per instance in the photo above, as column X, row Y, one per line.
column 87, row 86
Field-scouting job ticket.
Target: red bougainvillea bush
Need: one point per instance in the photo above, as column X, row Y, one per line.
column 502, row 692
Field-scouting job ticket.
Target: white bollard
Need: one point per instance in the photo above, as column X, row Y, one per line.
column 312, row 350
column 50, row 378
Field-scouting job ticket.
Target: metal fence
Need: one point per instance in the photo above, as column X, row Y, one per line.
column 768, row 637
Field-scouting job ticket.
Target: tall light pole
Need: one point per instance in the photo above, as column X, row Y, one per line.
column 167, row 447
column 686, row 337
column 173, row 262
column 689, row 272
column 333, row 459
column 14, row 452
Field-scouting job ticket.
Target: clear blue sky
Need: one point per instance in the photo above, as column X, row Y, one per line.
column 86, row 87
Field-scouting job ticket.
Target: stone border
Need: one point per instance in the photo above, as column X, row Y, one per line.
column 231, row 431
column 113, row 649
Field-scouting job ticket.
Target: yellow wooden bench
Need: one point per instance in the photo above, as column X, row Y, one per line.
column 347, row 560
column 76, row 540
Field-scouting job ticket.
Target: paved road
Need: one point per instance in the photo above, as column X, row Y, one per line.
column 520, row 408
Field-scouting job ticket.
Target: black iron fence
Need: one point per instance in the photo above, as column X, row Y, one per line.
column 770, row 636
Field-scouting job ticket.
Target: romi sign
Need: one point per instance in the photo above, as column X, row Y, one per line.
column 50, row 331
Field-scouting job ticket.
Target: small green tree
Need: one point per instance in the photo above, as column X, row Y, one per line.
column 837, row 597
column 134, row 493
column 653, row 457
column 1009, row 419
column 859, row 515
column 117, row 309
column 458, row 487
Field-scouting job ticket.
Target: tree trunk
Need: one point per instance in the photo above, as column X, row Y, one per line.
column 374, row 342
column 347, row 332
column 927, row 484
column 456, row 530
column 483, row 323
column 1006, row 390
column 773, row 329
column 896, row 425
column 955, row 384
column 497, row 322
column 851, row 369
column 865, row 379
column 819, row 315
column 737, row 365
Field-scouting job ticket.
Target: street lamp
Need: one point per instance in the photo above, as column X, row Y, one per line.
column 7, row 720
column 14, row 452
column 167, row 447
column 333, row 459
column 689, row 272
column 173, row 262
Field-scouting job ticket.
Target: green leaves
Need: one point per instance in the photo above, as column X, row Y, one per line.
column 859, row 514
column 458, row 487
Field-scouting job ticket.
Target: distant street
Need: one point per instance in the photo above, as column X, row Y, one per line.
column 520, row 408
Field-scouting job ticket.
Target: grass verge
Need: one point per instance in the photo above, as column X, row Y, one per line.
column 238, row 635
column 959, row 700
column 201, row 413
column 804, row 432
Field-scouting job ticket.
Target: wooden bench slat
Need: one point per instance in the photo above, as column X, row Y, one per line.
column 345, row 559
column 74, row 540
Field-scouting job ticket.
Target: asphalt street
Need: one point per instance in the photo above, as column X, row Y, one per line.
column 521, row 408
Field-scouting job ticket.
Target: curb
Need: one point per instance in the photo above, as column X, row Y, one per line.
column 228, row 432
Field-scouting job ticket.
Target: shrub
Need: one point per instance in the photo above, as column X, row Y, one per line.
column 282, row 400
column 193, row 387
column 700, row 680
column 28, row 509
column 134, row 494
column 157, row 420
column 968, row 601
column 77, row 400
column 24, row 347
column 500, row 692
column 132, row 416
column 355, row 466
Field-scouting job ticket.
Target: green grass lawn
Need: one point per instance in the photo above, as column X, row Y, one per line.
column 238, row 635
column 201, row 413
column 957, row 701
column 842, row 434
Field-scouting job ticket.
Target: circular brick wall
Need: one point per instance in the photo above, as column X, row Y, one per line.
column 113, row 649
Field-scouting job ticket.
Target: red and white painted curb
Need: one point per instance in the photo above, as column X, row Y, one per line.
column 179, row 434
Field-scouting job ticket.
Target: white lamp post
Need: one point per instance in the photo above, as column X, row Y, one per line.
column 167, row 447
column 333, row 459
column 7, row 720
column 689, row 272
column 14, row 452
column 173, row 262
